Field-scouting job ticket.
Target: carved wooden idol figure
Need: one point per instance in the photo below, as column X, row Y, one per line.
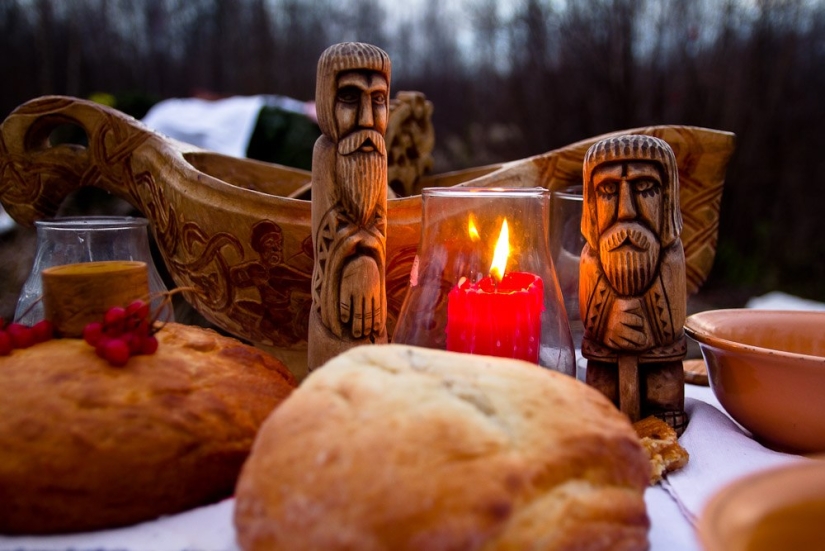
column 632, row 277
column 349, row 201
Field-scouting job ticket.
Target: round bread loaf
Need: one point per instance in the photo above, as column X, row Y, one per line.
column 84, row 445
column 400, row 448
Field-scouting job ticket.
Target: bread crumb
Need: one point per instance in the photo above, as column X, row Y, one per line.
column 662, row 446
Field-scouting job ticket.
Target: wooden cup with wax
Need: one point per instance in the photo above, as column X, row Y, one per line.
column 77, row 294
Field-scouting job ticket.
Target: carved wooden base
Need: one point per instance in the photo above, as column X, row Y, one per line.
column 641, row 390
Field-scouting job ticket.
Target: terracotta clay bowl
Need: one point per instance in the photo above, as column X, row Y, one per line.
column 779, row 508
column 767, row 369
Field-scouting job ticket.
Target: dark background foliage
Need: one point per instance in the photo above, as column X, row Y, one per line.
column 508, row 79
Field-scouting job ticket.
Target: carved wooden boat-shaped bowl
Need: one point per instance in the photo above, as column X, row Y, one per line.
column 232, row 230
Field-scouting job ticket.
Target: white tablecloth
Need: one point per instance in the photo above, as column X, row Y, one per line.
column 719, row 450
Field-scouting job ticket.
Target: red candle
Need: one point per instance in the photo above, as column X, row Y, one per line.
column 497, row 319
column 501, row 314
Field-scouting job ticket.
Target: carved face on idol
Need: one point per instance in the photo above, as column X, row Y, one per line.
column 361, row 115
column 629, row 204
column 361, row 108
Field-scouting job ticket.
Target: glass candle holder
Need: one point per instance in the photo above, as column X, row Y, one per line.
column 483, row 280
column 566, row 244
column 72, row 240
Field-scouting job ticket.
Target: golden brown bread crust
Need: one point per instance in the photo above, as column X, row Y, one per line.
column 393, row 447
column 86, row 445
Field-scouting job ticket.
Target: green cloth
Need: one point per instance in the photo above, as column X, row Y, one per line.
column 284, row 138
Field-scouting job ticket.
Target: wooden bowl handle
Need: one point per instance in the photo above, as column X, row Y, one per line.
column 37, row 176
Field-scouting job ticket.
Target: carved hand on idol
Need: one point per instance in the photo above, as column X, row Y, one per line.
column 626, row 326
column 360, row 301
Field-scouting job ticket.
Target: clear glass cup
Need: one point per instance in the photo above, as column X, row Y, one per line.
column 73, row 240
column 566, row 244
column 458, row 298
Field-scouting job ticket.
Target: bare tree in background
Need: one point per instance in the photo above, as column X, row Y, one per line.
column 508, row 80
column 533, row 84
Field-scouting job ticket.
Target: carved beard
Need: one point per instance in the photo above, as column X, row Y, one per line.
column 631, row 268
column 361, row 176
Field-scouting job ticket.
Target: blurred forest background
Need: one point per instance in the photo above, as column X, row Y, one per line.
column 508, row 79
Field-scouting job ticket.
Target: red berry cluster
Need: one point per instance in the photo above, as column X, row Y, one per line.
column 18, row 335
column 124, row 332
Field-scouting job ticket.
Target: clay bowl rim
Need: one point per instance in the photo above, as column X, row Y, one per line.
column 739, row 499
column 766, row 390
column 705, row 336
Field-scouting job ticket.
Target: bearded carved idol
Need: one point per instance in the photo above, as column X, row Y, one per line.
column 349, row 201
column 632, row 277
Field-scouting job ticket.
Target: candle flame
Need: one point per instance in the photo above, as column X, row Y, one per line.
column 501, row 253
column 473, row 230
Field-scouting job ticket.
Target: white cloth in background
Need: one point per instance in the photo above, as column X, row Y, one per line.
column 6, row 223
column 223, row 126
column 306, row 108
column 777, row 300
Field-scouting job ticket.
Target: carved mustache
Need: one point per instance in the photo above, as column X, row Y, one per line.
column 353, row 142
column 627, row 234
